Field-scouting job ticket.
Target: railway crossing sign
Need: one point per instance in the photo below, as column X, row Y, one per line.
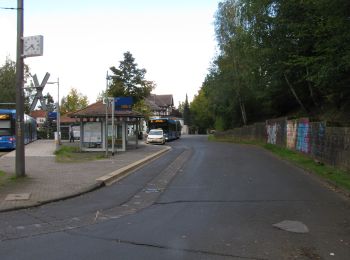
column 39, row 92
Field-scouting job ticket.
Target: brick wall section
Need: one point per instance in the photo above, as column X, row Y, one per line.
column 327, row 144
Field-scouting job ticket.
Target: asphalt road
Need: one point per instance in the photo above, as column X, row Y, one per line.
column 202, row 200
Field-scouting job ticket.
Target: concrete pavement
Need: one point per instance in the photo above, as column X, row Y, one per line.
column 49, row 181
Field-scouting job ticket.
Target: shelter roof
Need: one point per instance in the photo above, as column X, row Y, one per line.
column 98, row 109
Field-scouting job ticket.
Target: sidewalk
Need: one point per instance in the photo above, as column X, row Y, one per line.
column 49, row 181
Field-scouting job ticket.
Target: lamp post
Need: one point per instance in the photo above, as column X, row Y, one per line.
column 108, row 101
column 58, row 123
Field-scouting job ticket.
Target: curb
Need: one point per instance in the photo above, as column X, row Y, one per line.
column 100, row 182
column 44, row 202
column 112, row 177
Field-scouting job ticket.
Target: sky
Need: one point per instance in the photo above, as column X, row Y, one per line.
column 172, row 39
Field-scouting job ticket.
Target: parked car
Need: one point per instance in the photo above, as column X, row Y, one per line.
column 156, row 136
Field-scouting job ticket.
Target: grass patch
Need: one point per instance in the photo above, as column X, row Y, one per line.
column 72, row 154
column 4, row 178
column 338, row 177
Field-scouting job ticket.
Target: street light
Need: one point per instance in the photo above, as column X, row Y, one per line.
column 107, row 101
column 58, row 123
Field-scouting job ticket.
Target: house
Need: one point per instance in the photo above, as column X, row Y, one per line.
column 161, row 105
column 40, row 117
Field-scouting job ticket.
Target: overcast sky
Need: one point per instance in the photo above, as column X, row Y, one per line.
column 172, row 39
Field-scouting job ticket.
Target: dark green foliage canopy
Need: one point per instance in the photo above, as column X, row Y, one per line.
column 186, row 112
column 8, row 85
column 128, row 80
column 8, row 82
column 278, row 58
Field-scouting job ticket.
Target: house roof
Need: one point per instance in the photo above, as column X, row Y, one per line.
column 98, row 109
column 152, row 105
column 162, row 100
column 38, row 113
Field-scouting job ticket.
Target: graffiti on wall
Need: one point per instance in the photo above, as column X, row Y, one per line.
column 317, row 139
column 292, row 127
column 271, row 133
column 303, row 136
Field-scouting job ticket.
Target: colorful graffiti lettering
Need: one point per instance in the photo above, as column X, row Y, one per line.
column 303, row 137
column 271, row 133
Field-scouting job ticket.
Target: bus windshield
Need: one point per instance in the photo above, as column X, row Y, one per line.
column 5, row 127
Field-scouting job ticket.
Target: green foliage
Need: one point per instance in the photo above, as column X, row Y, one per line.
column 100, row 96
column 128, row 80
column 186, row 112
column 219, row 123
column 74, row 101
column 142, row 108
column 202, row 116
column 8, row 84
column 277, row 58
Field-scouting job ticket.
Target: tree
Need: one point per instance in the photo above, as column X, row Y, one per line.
column 143, row 108
column 8, row 85
column 101, row 95
column 279, row 58
column 201, row 113
column 128, row 80
column 187, row 112
column 8, row 82
column 73, row 101
column 49, row 102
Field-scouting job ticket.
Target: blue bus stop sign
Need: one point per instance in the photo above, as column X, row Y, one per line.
column 52, row 115
column 123, row 103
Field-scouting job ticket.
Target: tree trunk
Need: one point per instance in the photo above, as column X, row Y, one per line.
column 310, row 89
column 242, row 106
column 294, row 93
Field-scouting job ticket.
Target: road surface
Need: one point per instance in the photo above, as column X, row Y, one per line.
column 202, row 200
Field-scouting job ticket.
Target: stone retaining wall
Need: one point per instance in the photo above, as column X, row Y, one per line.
column 327, row 144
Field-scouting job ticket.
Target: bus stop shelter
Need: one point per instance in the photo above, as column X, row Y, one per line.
column 103, row 129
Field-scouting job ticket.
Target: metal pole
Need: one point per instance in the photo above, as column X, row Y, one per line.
column 113, row 126
column 20, row 157
column 107, row 103
column 137, row 133
column 58, row 119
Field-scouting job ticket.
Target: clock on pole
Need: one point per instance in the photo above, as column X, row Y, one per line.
column 33, row 46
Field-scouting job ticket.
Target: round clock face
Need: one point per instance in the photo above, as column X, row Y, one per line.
column 32, row 46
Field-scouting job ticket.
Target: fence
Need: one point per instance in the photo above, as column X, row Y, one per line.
column 326, row 143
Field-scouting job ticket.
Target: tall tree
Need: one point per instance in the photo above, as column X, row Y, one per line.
column 201, row 113
column 187, row 112
column 73, row 101
column 277, row 58
column 129, row 80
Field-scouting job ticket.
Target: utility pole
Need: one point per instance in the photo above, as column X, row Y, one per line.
column 20, row 158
